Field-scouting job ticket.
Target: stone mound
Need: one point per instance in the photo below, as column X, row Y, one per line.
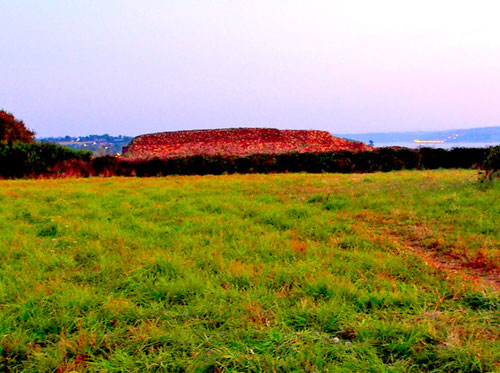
column 236, row 142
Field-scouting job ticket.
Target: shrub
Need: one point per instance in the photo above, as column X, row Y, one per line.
column 492, row 163
column 12, row 129
column 32, row 159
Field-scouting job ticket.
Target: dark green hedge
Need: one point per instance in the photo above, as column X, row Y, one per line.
column 382, row 159
column 34, row 159
column 28, row 160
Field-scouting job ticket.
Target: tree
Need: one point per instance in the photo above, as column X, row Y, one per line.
column 12, row 129
column 492, row 163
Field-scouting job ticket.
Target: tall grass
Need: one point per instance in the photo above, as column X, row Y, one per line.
column 293, row 272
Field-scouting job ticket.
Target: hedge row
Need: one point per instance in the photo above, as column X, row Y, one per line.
column 34, row 159
column 382, row 159
column 45, row 159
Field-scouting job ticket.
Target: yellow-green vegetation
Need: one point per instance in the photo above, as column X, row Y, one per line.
column 384, row 272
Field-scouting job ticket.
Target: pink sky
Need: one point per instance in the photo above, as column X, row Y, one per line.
column 127, row 67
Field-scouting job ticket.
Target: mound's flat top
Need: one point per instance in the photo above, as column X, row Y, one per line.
column 236, row 142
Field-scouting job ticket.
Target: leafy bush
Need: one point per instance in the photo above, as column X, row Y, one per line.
column 12, row 130
column 492, row 163
column 21, row 159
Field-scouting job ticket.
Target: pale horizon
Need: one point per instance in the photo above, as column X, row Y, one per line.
column 127, row 68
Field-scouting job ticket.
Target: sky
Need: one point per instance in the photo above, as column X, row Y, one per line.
column 79, row 67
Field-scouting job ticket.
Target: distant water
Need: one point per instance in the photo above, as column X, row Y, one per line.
column 444, row 145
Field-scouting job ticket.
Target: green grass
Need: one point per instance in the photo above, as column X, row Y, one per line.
column 385, row 272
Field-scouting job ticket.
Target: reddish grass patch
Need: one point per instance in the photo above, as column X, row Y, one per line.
column 76, row 365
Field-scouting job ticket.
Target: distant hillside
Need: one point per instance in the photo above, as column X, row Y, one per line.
column 471, row 135
column 236, row 142
column 98, row 144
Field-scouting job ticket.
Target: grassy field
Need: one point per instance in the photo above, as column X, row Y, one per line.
column 385, row 272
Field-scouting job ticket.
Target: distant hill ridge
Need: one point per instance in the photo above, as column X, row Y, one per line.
column 471, row 135
column 236, row 142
